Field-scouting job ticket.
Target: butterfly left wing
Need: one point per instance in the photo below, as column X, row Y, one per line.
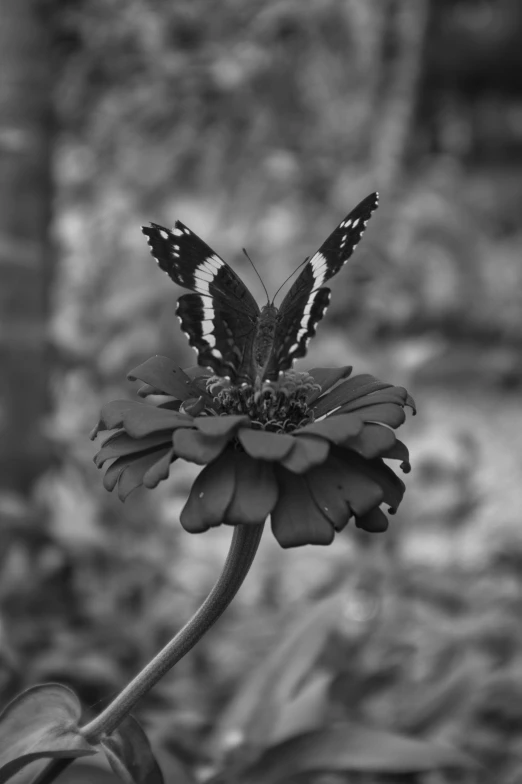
column 220, row 316
column 306, row 302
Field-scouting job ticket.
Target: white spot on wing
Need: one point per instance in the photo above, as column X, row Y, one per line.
column 356, row 221
column 207, row 327
column 318, row 264
column 211, row 340
column 164, row 234
column 177, row 232
column 201, row 287
column 208, row 268
column 200, row 274
column 216, row 260
column 217, row 353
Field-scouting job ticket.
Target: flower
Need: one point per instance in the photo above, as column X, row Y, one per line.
column 308, row 449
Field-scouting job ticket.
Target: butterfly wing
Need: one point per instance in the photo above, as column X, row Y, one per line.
column 306, row 302
column 220, row 317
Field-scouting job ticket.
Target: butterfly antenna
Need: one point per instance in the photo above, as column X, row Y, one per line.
column 257, row 273
column 288, row 278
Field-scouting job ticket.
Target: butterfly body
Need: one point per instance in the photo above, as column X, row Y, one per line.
column 264, row 338
column 222, row 320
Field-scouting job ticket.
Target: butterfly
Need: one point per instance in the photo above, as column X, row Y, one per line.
column 221, row 318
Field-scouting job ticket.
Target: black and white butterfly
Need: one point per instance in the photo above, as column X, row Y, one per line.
column 222, row 320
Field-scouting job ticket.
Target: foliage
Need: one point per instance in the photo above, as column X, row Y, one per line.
column 420, row 652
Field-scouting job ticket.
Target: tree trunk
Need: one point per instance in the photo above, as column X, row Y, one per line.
column 26, row 130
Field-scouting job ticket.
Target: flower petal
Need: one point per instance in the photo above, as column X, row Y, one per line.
column 411, row 403
column 335, row 429
column 387, row 414
column 196, row 447
column 373, row 441
column 344, row 479
column 255, row 491
column 197, row 372
column 164, row 376
column 352, row 389
column 194, row 405
column 307, row 452
column 399, row 451
column 159, row 471
column 376, row 472
column 139, row 419
column 120, row 443
column 263, row 445
column 112, row 474
column 210, row 495
column 296, row 519
column 375, row 521
column 128, row 471
column 395, row 395
column 221, row 425
column 326, row 485
column 327, row 378
column 172, row 403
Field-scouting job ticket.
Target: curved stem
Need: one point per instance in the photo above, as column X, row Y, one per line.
column 243, row 547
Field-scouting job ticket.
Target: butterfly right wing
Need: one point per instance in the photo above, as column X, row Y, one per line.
column 307, row 300
column 220, row 317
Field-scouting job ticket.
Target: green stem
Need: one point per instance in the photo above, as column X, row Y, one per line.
column 243, row 547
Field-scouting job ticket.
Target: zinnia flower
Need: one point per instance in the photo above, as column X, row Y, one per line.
column 308, row 449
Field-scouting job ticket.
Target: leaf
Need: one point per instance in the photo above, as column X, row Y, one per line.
column 41, row 722
column 130, row 755
column 83, row 773
column 253, row 713
column 352, row 747
column 307, row 711
column 433, row 704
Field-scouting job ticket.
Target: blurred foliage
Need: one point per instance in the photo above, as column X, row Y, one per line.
column 261, row 125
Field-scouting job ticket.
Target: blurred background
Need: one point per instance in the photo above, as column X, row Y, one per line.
column 261, row 125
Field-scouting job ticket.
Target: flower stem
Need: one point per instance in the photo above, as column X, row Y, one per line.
column 243, row 548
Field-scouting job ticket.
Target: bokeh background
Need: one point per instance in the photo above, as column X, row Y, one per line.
column 261, row 124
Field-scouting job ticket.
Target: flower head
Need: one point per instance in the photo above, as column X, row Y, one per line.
column 308, row 449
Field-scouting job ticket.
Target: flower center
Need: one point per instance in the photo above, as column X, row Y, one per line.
column 279, row 406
